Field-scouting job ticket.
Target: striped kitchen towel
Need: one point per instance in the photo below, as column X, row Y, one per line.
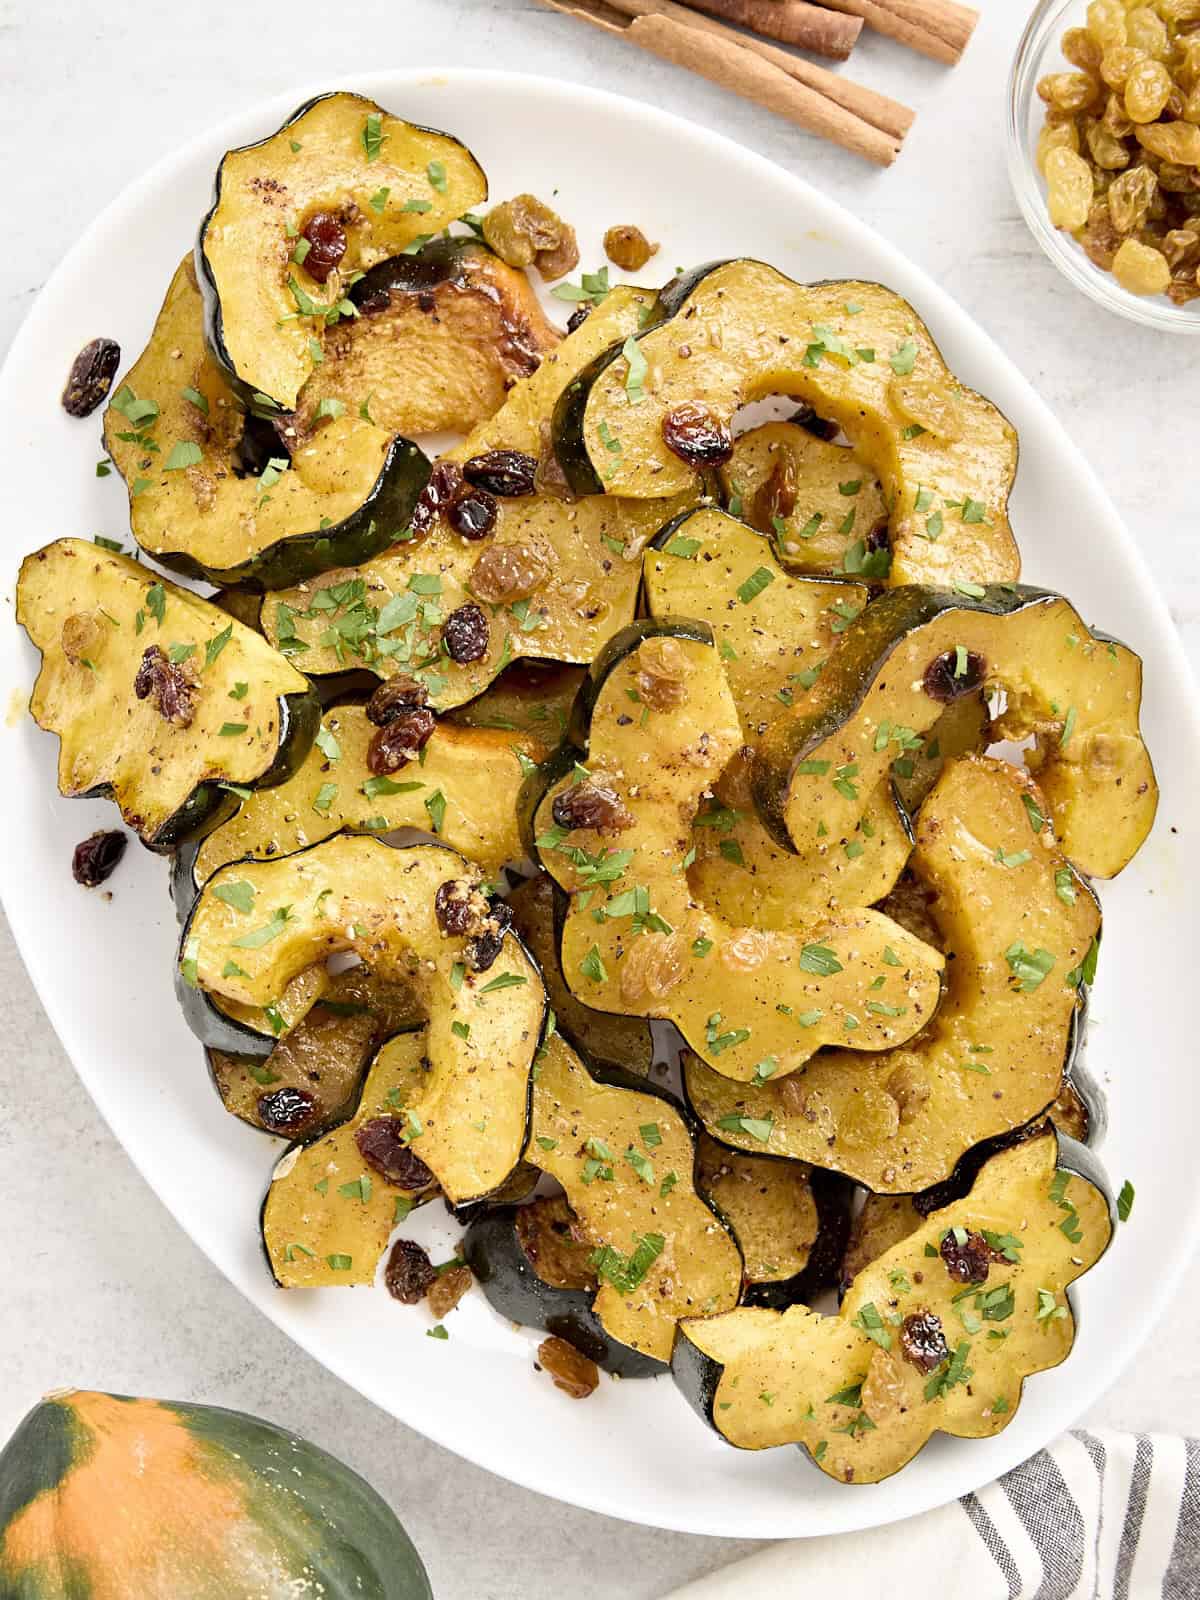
column 1098, row 1516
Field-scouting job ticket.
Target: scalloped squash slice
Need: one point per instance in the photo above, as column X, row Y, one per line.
column 255, row 924
column 625, row 1159
column 655, row 726
column 911, row 653
column 381, row 181
column 1019, row 928
column 737, row 331
column 158, row 698
column 937, row 1335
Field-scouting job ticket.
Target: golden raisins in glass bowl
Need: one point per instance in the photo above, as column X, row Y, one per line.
column 1104, row 150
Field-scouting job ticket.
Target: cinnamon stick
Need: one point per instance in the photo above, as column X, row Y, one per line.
column 743, row 72
column 812, row 27
column 940, row 29
column 879, row 110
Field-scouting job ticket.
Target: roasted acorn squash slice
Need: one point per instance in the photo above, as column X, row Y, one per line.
column 579, row 560
column 611, row 1043
column 464, row 788
column 909, row 1353
column 625, row 1158
column 654, row 727
column 737, row 331
column 535, row 1268
column 383, row 182
column 1018, row 926
column 911, row 652
column 316, row 1069
column 255, row 924
column 329, row 1211
column 774, row 634
column 821, row 507
column 217, row 493
column 440, row 338
column 790, row 1222
column 220, row 707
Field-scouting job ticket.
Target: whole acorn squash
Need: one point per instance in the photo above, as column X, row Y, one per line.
column 103, row 1497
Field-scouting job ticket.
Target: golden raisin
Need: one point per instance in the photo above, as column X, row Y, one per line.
column 1178, row 142
column 1069, row 189
column 447, row 1290
column 572, row 1372
column 525, row 232
column 1056, row 136
column 81, row 636
column 1141, row 269
column 1116, row 64
column 1106, row 22
column 653, row 966
column 1146, row 30
column 1129, row 198
column 508, row 572
column 1147, row 90
column 1069, row 91
column 1081, row 49
column 628, row 247
column 663, row 669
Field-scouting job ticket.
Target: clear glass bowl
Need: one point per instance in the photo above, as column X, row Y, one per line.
column 1037, row 54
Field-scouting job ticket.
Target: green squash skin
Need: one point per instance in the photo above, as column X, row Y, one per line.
column 209, row 804
column 214, row 322
column 369, row 530
column 513, row 1289
column 336, row 1534
column 853, row 668
column 697, row 1376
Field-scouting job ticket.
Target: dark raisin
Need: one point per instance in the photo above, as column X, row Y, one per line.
column 91, row 376
column 878, row 538
column 401, row 741
column 579, row 316
column 172, row 688
column 472, row 513
column 381, row 1145
column 968, row 1261
column 509, row 473
column 697, row 435
column 571, row 1371
column 460, row 908
column 819, row 427
column 922, row 1340
column 396, row 697
column 465, row 634
column 444, row 483
column 288, row 1110
column 372, row 304
column 327, row 245
column 96, row 857
column 948, row 678
column 591, row 805
column 409, row 1272
column 482, row 950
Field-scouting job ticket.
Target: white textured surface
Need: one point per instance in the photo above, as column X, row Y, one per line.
column 102, row 1289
